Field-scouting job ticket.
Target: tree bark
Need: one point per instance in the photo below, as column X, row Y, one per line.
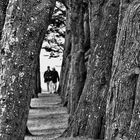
column 123, row 104
column 64, row 84
column 36, row 83
column 25, row 22
column 66, row 61
column 89, row 118
column 38, row 80
column 77, row 70
column 3, row 6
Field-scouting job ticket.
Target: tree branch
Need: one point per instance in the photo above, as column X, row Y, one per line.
column 64, row 2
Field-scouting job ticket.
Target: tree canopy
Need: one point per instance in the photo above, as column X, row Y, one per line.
column 55, row 36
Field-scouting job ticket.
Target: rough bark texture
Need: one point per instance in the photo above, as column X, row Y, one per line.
column 25, row 22
column 64, row 95
column 66, row 61
column 77, row 70
column 89, row 118
column 38, row 80
column 123, row 104
column 3, row 6
column 36, row 83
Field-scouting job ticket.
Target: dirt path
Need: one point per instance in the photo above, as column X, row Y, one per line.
column 47, row 119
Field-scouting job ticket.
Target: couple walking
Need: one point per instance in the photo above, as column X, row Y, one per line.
column 51, row 78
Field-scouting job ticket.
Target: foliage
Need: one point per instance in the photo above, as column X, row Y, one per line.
column 54, row 38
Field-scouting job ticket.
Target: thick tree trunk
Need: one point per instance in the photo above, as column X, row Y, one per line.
column 66, row 61
column 64, row 95
column 25, row 22
column 123, row 104
column 3, row 6
column 77, row 70
column 64, row 67
column 89, row 118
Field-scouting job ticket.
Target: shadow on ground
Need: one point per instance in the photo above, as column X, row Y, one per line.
column 47, row 117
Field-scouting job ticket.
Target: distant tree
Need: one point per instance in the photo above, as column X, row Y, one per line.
column 66, row 60
column 54, row 37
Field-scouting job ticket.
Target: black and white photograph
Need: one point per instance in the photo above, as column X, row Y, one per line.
column 69, row 69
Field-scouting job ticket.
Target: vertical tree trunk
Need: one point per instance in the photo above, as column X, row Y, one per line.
column 64, row 67
column 77, row 72
column 123, row 104
column 89, row 118
column 36, row 73
column 66, row 61
column 25, row 22
column 38, row 80
column 64, row 95
column 3, row 6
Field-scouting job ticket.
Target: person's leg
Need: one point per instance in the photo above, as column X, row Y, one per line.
column 55, row 87
column 51, row 87
column 48, row 86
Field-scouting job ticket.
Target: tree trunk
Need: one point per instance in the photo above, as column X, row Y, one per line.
column 25, row 22
column 89, row 118
column 64, row 67
column 3, row 6
column 77, row 70
column 123, row 104
column 66, row 61
column 36, row 83
column 64, row 95
column 38, row 80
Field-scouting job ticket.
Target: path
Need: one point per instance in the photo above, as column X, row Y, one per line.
column 47, row 119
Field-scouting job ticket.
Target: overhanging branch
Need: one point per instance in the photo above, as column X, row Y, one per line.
column 64, row 2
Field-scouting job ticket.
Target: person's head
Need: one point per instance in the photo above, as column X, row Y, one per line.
column 48, row 67
column 53, row 68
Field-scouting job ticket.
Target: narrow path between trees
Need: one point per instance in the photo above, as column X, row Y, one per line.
column 47, row 118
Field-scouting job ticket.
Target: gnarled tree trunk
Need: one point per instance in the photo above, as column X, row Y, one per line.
column 66, row 62
column 36, row 83
column 123, row 104
column 89, row 118
column 77, row 70
column 25, row 22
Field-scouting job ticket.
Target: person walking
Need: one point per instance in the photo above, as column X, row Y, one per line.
column 55, row 78
column 48, row 77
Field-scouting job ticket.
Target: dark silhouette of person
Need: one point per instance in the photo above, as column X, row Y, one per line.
column 48, row 77
column 55, row 78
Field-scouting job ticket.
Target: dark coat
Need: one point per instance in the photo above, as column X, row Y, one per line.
column 55, row 76
column 47, row 76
